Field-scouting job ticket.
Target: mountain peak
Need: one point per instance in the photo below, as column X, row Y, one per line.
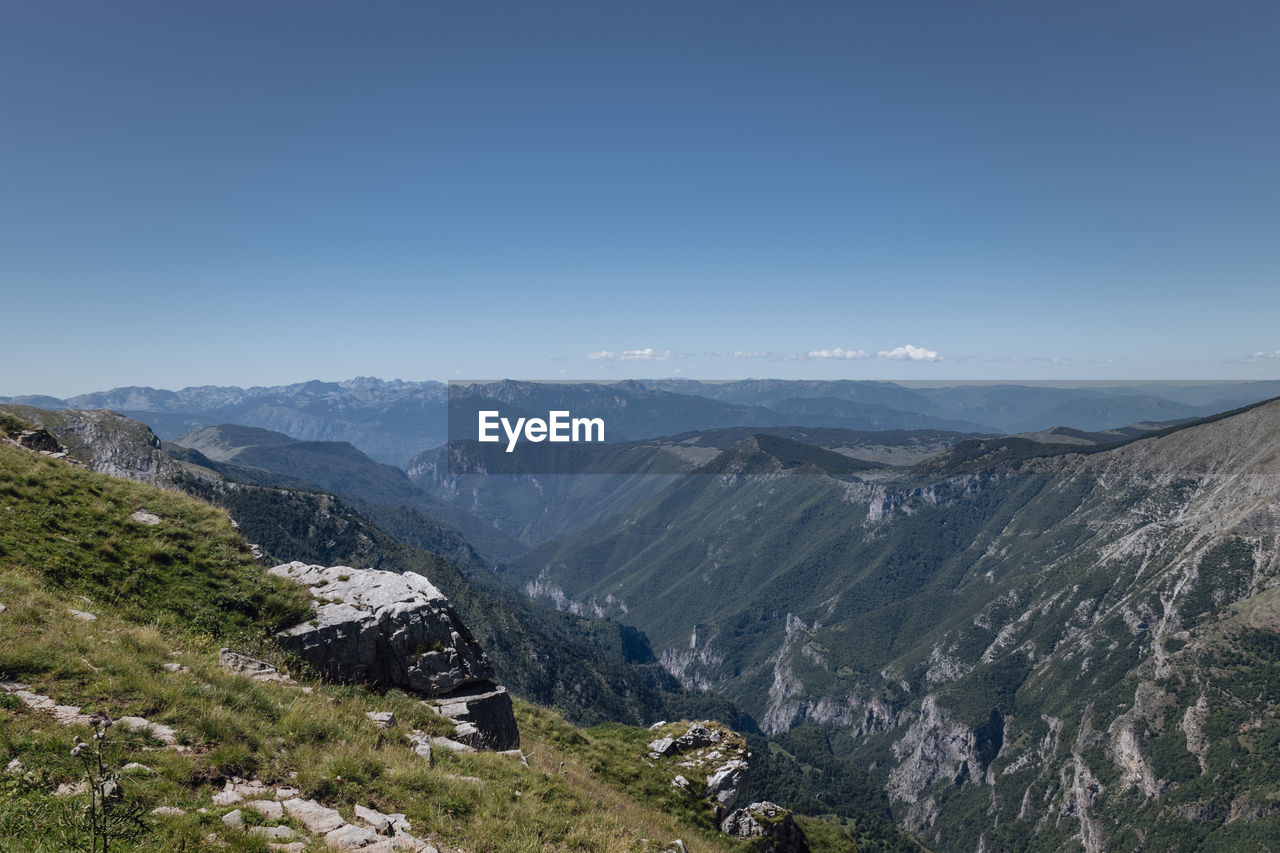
column 763, row 453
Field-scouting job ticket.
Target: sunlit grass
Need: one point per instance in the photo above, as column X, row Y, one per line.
column 159, row 594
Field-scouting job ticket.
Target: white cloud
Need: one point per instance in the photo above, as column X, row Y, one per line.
column 838, row 352
column 1264, row 356
column 740, row 354
column 909, row 353
column 646, row 354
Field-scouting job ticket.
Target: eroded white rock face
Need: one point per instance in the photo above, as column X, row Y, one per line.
column 384, row 628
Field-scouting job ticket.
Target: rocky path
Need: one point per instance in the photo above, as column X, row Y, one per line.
column 369, row 830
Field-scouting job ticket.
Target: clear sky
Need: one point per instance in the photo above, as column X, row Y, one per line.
column 258, row 193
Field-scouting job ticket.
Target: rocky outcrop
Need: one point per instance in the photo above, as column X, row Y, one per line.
column 384, row 628
column 770, row 826
column 706, row 750
column 38, row 440
column 398, row 630
column 937, row 747
column 103, row 441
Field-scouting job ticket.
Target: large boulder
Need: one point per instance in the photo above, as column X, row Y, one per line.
column 383, row 628
column 399, row 630
column 482, row 715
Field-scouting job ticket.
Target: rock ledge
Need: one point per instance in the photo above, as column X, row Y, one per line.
column 399, row 630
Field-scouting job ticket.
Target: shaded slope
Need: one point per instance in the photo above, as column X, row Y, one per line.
column 339, row 467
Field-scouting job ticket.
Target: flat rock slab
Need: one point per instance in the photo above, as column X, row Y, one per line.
column 258, row 670
column 227, row 798
column 269, row 809
column 315, row 817
column 450, row 744
column 162, row 733
column 472, row 780
column 67, row 715
column 383, row 824
column 382, row 719
column 351, row 837
column 250, row 790
column 395, row 843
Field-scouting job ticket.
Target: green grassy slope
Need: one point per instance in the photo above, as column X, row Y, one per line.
column 173, row 592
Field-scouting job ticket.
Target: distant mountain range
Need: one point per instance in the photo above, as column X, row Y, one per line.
column 392, row 421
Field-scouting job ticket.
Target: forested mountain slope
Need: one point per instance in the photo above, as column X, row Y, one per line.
column 1029, row 644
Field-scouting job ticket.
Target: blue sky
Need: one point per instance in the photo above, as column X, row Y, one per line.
column 257, row 193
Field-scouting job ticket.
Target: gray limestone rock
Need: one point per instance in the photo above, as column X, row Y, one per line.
column 145, row 516
column 769, row 825
column 350, row 837
column 398, row 630
column 483, row 717
column 698, row 735
column 384, row 628
column 725, row 784
column 269, row 809
column 662, row 746
column 382, row 719
column 160, row 732
column 38, row 439
column 315, row 817
column 258, row 670
column 291, row 847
